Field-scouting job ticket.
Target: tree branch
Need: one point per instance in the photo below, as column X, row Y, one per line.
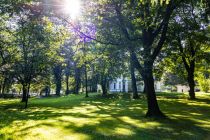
column 171, row 6
column 135, row 60
column 182, row 52
column 81, row 34
column 123, row 26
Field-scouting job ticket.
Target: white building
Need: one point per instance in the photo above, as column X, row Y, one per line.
column 182, row 88
column 125, row 85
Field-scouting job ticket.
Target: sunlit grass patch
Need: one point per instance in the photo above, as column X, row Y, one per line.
column 114, row 117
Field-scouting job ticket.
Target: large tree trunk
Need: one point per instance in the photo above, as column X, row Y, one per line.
column 191, row 72
column 58, row 87
column 25, row 90
column 153, row 108
column 58, row 78
column 94, row 82
column 27, row 95
column 133, row 78
column 147, row 74
column 191, row 83
column 77, row 80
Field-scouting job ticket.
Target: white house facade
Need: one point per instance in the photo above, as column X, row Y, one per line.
column 123, row 84
column 182, row 88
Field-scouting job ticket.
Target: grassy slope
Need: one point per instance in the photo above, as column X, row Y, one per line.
column 76, row 117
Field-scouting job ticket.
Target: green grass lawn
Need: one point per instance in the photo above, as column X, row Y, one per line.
column 118, row 117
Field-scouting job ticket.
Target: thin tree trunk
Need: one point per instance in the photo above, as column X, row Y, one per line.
column 90, row 86
column 20, row 91
column 3, row 87
column 67, row 84
column 133, row 78
column 26, row 102
column 144, row 90
column 1, row 95
column 86, row 82
column 28, row 91
column 104, row 85
column 190, row 68
column 47, row 91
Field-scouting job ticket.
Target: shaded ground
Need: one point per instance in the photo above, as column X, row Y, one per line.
column 116, row 117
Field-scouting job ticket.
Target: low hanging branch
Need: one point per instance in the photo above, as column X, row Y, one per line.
column 84, row 35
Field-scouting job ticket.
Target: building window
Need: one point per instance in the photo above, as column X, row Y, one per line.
column 119, row 85
column 114, row 85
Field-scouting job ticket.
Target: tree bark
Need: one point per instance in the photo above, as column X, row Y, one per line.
column 58, row 78
column 86, row 82
column 77, row 80
column 58, row 88
column 47, row 91
column 144, row 90
column 191, row 72
column 153, row 108
column 191, row 83
column 133, row 78
column 24, row 96
column 3, row 87
column 104, row 85
column 94, row 82
column 67, row 84
column 1, row 95
column 26, row 102
column 27, row 95
column 190, row 67
column 149, row 36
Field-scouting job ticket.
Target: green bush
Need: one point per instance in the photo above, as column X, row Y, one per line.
column 204, row 83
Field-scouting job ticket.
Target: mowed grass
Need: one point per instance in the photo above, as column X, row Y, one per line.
column 74, row 117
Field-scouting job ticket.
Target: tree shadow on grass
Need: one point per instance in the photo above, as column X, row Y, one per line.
column 207, row 101
column 112, row 118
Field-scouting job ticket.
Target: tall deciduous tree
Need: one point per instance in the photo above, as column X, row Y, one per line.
column 191, row 38
column 35, row 39
column 7, row 51
column 142, row 25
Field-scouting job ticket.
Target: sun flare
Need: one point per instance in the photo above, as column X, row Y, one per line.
column 72, row 8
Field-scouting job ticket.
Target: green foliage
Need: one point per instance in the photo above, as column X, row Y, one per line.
column 188, row 42
column 204, row 83
column 110, row 61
